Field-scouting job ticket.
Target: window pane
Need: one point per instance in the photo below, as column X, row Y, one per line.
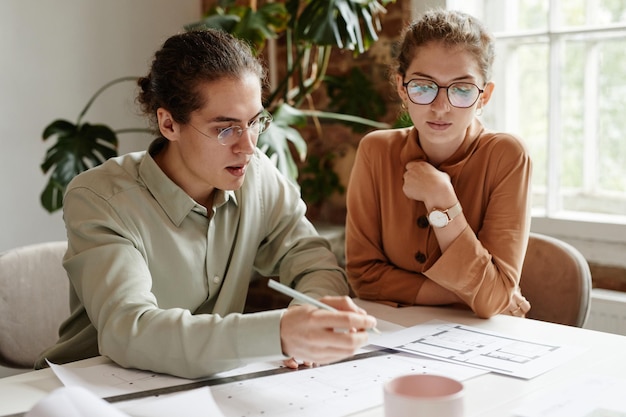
column 519, row 104
column 562, row 88
column 612, row 143
column 579, row 13
column 612, row 124
column 572, row 111
column 532, row 92
column 532, row 14
column 592, row 149
column 508, row 15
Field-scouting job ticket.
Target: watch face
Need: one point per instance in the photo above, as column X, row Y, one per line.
column 438, row 218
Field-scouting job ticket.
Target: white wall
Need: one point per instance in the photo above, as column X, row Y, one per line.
column 54, row 54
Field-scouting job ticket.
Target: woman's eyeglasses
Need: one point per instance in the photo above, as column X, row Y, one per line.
column 228, row 135
column 460, row 94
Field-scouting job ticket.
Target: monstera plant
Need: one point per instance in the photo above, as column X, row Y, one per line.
column 79, row 146
column 308, row 30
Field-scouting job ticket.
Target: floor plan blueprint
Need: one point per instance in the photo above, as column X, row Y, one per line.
column 480, row 348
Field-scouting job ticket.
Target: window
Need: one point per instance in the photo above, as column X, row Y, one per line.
column 560, row 77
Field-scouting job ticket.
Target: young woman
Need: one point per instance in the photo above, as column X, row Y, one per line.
column 438, row 213
column 163, row 243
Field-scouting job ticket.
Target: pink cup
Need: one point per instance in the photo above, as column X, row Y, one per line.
column 422, row 395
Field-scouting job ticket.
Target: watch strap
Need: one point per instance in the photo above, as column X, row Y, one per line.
column 454, row 211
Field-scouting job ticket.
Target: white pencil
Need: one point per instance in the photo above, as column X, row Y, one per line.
column 297, row 295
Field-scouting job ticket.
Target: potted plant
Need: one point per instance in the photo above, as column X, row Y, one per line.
column 308, row 30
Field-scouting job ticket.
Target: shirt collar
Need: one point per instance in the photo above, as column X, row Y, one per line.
column 174, row 200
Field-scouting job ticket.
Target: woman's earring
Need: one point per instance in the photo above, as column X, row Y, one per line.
column 479, row 111
column 403, row 105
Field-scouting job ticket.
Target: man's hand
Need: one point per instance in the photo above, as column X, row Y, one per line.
column 316, row 336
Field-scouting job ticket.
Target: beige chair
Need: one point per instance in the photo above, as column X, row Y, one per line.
column 556, row 280
column 34, row 300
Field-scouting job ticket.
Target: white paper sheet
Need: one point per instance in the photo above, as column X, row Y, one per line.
column 331, row 391
column 473, row 346
column 73, row 402
column 193, row 403
column 110, row 379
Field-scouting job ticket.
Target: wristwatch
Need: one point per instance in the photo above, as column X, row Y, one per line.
column 441, row 218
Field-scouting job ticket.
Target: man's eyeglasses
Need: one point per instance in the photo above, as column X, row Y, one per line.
column 229, row 135
column 462, row 95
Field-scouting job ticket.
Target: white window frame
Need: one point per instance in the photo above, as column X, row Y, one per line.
column 601, row 239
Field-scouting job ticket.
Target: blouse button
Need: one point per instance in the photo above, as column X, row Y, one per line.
column 216, row 280
column 420, row 257
column 422, row 222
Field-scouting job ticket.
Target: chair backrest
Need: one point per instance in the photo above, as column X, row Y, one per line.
column 34, row 300
column 556, row 280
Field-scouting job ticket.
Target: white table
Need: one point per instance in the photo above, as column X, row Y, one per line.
column 489, row 395
column 494, row 395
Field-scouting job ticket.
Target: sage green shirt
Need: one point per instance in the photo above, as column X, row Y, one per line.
column 159, row 283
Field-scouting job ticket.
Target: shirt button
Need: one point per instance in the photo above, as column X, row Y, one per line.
column 420, row 257
column 216, row 280
column 422, row 222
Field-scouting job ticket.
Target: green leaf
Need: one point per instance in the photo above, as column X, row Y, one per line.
column 340, row 117
column 275, row 140
column 77, row 149
column 289, row 115
column 317, row 25
column 319, row 180
column 58, row 127
column 52, row 196
column 354, row 94
column 253, row 26
column 403, row 120
column 222, row 22
column 275, row 145
column 265, row 23
column 347, row 24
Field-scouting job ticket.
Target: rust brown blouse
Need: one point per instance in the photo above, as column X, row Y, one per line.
column 390, row 247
